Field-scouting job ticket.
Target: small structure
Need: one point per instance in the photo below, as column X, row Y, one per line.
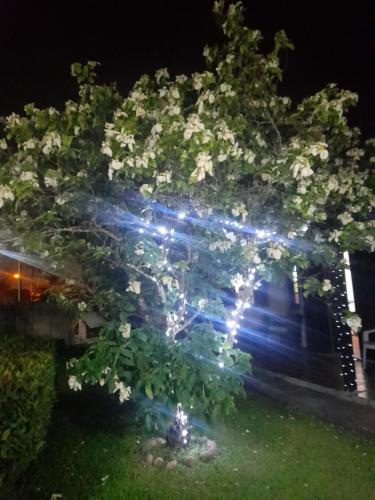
column 85, row 330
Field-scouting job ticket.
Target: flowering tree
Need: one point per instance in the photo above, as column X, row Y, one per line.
column 154, row 205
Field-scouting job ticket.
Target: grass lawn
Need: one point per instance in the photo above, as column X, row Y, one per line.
column 267, row 451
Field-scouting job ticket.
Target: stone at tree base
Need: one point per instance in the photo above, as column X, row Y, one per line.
column 171, row 465
column 209, row 452
column 211, row 444
column 149, row 459
column 159, row 462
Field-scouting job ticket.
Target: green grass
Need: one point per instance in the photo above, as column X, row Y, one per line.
column 267, row 451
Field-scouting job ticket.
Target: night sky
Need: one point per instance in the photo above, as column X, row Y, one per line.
column 335, row 42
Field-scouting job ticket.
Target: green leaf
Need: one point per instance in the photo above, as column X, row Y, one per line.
column 6, row 434
column 148, row 391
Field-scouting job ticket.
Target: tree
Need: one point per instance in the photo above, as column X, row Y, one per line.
column 154, row 205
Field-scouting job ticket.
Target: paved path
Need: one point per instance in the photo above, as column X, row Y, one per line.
column 328, row 404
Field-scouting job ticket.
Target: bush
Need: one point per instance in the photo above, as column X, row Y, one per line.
column 27, row 374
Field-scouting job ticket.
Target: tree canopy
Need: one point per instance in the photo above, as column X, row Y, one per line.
column 155, row 205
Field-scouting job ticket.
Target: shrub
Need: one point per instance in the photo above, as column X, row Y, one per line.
column 27, row 374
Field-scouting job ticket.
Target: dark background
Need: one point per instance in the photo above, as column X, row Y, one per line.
column 335, row 42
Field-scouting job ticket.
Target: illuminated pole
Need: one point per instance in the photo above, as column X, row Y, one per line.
column 344, row 346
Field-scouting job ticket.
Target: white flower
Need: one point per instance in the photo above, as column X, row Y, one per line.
column 354, row 322
column 74, row 384
column 71, row 363
column 237, row 282
column 146, row 189
column 60, row 199
column 164, row 177
column 134, row 287
column 319, row 149
column 275, row 252
column 332, row 184
column 106, row 150
column 206, row 51
column 301, row 167
column 240, row 209
column 125, row 329
column 326, row 285
column 204, row 165
column 249, row 156
column 193, row 126
column 139, row 249
column 161, row 73
column 28, row 176
column 82, row 306
column 257, row 259
column 202, row 303
column 124, row 392
column 5, row 194
column 226, row 89
column 345, row 218
column 223, row 246
column 180, row 79
column 3, row 144
column 51, row 141
column 167, row 281
column 76, row 130
column 125, row 140
column 156, row 129
column 231, row 236
column 30, row 144
column 116, row 165
column 335, row 236
column 50, row 181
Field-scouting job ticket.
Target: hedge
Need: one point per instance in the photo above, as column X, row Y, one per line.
column 27, row 379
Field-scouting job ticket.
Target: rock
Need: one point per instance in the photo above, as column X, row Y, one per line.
column 151, row 443
column 171, row 465
column 149, row 459
column 209, row 451
column 159, row 462
column 211, row 444
column 189, row 461
column 206, row 455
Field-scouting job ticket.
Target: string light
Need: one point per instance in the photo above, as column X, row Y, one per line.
column 343, row 332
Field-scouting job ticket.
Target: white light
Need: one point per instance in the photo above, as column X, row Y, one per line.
column 231, row 323
column 184, row 432
column 141, row 230
column 162, row 230
column 260, row 233
column 349, row 283
column 181, row 215
column 221, row 364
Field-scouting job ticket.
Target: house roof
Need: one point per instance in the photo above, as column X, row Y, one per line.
column 92, row 319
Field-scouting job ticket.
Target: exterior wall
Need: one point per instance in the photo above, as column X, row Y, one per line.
column 44, row 320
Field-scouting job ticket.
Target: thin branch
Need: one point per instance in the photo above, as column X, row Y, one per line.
column 187, row 323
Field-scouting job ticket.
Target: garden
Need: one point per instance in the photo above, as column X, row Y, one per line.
column 164, row 212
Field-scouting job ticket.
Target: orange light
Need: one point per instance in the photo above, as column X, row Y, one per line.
column 16, row 276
